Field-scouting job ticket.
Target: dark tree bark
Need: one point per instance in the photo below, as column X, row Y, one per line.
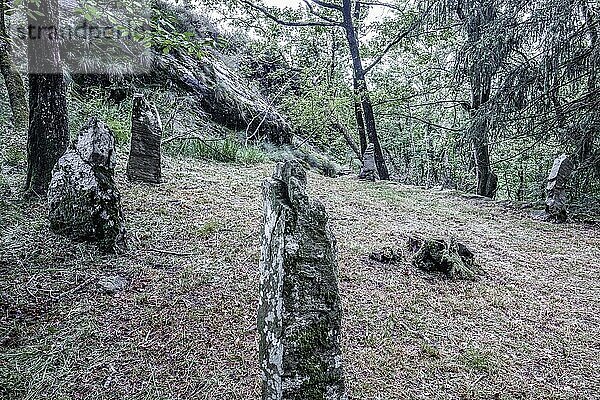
column 487, row 180
column 12, row 79
column 481, row 87
column 360, row 121
column 362, row 90
column 48, row 136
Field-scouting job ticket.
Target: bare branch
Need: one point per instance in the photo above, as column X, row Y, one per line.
column 311, row 10
column 423, row 121
column 331, row 6
column 400, row 37
column 380, row 4
column 267, row 13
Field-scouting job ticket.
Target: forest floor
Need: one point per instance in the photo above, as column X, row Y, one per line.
column 184, row 328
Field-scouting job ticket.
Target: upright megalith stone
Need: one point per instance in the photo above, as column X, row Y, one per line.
column 556, row 201
column 146, row 135
column 299, row 314
column 369, row 168
column 83, row 199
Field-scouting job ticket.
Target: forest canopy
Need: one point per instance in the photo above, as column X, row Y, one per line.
column 464, row 93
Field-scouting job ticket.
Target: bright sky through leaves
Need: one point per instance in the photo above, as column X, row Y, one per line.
column 283, row 3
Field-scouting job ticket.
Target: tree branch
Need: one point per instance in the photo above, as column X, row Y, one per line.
column 331, row 6
column 399, row 38
column 422, row 121
column 267, row 13
column 316, row 14
column 380, row 4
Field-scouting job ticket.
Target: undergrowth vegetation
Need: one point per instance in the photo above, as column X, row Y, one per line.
column 228, row 150
column 95, row 103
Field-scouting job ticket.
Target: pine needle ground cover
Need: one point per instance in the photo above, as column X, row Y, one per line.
column 184, row 325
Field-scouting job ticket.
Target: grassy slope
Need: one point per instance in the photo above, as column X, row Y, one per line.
column 185, row 329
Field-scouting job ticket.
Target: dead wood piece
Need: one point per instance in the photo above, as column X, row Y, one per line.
column 446, row 256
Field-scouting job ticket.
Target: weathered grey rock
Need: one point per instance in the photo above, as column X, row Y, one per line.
column 299, row 314
column 146, row 135
column 556, row 201
column 369, row 168
column 112, row 284
column 84, row 203
column 387, row 255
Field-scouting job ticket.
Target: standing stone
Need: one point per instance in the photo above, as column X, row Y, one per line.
column 146, row 136
column 299, row 314
column 84, row 202
column 556, row 202
column 369, row 168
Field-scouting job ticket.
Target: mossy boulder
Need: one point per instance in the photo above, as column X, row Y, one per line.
column 83, row 199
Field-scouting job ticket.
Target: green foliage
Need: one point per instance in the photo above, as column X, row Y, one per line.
column 307, row 156
column 95, row 104
column 479, row 360
column 251, row 155
column 430, row 350
column 208, row 228
column 154, row 28
column 226, row 150
column 14, row 156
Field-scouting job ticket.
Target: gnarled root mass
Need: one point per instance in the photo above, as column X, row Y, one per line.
column 447, row 256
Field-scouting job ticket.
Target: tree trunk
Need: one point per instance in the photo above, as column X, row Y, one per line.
column 481, row 89
column 361, row 88
column 12, row 79
column 587, row 141
column 487, row 180
column 360, row 121
column 48, row 136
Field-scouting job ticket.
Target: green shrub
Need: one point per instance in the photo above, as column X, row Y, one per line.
column 94, row 104
column 222, row 151
column 227, row 150
column 251, row 155
column 14, row 156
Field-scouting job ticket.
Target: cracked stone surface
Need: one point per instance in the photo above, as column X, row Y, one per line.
column 83, row 199
column 556, row 201
column 369, row 168
column 299, row 318
column 146, row 135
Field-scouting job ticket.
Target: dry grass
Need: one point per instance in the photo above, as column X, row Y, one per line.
column 185, row 327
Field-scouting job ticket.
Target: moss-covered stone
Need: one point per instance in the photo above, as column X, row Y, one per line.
column 83, row 200
column 299, row 317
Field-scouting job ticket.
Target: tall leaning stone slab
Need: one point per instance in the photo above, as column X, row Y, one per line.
column 369, row 168
column 146, row 135
column 556, row 201
column 299, row 318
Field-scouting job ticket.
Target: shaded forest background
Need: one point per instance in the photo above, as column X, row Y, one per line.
column 459, row 94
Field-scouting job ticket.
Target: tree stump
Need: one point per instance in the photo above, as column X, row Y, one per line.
column 449, row 257
column 369, row 168
column 299, row 317
column 556, row 201
column 146, row 135
column 83, row 199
